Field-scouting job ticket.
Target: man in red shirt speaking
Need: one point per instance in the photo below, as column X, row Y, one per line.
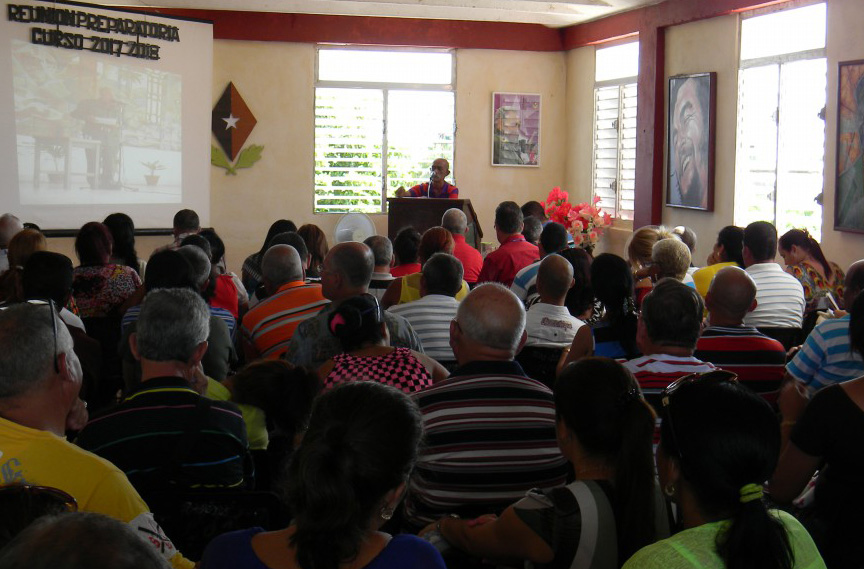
column 436, row 187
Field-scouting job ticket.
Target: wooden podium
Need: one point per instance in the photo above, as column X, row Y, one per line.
column 423, row 213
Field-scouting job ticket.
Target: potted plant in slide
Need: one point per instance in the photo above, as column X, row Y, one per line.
column 152, row 178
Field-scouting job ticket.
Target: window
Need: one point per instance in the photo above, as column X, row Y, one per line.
column 381, row 118
column 781, row 120
column 614, row 164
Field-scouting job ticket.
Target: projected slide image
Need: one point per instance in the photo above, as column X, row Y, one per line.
column 95, row 131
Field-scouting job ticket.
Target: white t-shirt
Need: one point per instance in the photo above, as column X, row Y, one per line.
column 550, row 326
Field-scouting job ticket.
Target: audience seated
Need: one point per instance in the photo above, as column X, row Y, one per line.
column 122, row 230
column 826, row 437
column 514, row 254
column 719, row 442
column 827, row 357
column 580, row 301
column 202, row 271
column 407, row 288
column 225, row 290
column 186, row 222
column 270, row 325
column 25, row 243
column 406, row 246
column 101, row 288
column 640, row 248
column 490, row 430
column 165, row 435
column 39, row 384
column 345, row 481
column 430, row 315
column 688, row 237
column 284, row 394
column 251, row 271
column 9, row 226
column 667, row 333
column 553, row 239
column 292, row 239
column 727, row 252
column 806, row 262
column 80, row 541
column 671, row 259
column 316, row 243
column 615, row 332
column 779, row 295
column 171, row 269
column 728, row 343
column 47, row 276
column 548, row 323
column 605, row 429
column 359, row 324
column 531, row 229
column 382, row 250
column 456, row 222
column 346, row 273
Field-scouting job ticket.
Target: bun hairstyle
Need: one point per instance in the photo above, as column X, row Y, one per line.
column 612, row 282
column 361, row 443
column 803, row 239
column 357, row 322
column 600, row 402
column 726, row 440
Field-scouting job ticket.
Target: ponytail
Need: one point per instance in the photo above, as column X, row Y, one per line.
column 755, row 539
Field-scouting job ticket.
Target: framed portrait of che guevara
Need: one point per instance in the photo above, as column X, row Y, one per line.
column 690, row 138
column 849, row 188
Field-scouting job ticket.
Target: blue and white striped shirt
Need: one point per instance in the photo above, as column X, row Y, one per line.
column 826, row 356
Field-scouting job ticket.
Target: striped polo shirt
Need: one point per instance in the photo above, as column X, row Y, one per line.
column 759, row 361
column 827, row 356
column 430, row 317
column 779, row 298
column 270, row 325
column 490, row 437
column 143, row 434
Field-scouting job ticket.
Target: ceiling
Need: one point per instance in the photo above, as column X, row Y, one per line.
column 550, row 13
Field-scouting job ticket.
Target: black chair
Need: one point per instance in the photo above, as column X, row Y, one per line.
column 106, row 330
column 789, row 337
column 540, row 363
column 192, row 519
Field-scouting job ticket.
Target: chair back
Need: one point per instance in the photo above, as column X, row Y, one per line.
column 540, row 363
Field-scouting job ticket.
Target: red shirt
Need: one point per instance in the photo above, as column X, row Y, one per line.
column 225, row 296
column 405, row 269
column 502, row 264
column 423, row 190
column 472, row 260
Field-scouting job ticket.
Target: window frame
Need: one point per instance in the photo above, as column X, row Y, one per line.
column 385, row 88
column 621, row 84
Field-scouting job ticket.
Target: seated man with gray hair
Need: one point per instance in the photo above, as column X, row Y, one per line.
column 40, row 379
column 382, row 250
column 456, row 222
column 270, row 324
column 166, row 435
column 490, row 430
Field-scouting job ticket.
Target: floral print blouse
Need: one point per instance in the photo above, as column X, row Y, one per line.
column 815, row 285
column 100, row 290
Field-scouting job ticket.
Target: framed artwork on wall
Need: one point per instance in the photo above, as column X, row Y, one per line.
column 690, row 139
column 849, row 187
column 515, row 129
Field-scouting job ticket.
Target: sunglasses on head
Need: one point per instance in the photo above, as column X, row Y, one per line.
column 713, row 376
column 34, row 493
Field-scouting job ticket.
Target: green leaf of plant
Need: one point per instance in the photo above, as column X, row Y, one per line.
column 218, row 159
column 249, row 156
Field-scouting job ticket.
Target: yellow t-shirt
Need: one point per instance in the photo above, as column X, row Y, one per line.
column 31, row 456
column 411, row 289
column 703, row 277
column 256, row 422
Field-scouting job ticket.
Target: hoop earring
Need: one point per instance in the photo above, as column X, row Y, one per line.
column 386, row 512
column 669, row 490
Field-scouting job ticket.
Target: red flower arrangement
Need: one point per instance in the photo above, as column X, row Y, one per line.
column 585, row 221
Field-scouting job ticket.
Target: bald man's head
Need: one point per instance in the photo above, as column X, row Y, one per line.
column 732, row 294
column 492, row 316
column 281, row 264
column 455, row 221
column 554, row 279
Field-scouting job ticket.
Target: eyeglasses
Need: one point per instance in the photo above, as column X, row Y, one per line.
column 713, row 376
column 52, row 307
column 40, row 494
